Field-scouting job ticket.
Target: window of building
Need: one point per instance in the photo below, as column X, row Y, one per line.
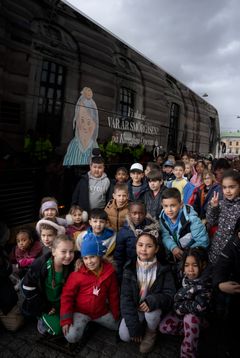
column 230, row 150
column 127, row 102
column 50, row 103
column 10, row 112
column 230, row 143
column 212, row 133
column 236, row 143
column 237, row 150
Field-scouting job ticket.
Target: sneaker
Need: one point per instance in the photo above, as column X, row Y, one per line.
column 41, row 327
column 148, row 341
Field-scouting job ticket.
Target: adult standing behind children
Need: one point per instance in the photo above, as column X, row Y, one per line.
column 180, row 226
column 152, row 197
column 93, row 187
column 117, row 208
column 137, row 186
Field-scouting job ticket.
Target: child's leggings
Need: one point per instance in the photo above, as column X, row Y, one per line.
column 189, row 326
column 152, row 319
column 80, row 322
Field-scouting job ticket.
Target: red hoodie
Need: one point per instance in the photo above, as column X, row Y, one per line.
column 92, row 295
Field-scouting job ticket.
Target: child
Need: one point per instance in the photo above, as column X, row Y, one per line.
column 180, row 226
column 121, row 175
column 226, row 278
column 10, row 315
column 197, row 178
column 188, row 172
column 92, row 190
column 137, row 186
column 147, row 292
column 219, row 168
column 48, row 231
column 98, row 222
column 42, row 285
column 137, row 221
column 149, row 167
column 77, row 221
column 49, row 211
column 191, row 302
column 168, row 172
column 117, row 208
column 224, row 213
column 152, row 197
column 204, row 193
column 90, row 294
column 186, row 188
column 27, row 249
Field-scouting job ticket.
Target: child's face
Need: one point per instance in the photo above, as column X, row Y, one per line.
column 191, row 268
column 185, row 159
column 155, row 185
column 231, row 188
column 136, row 177
column 97, row 170
column 92, row 263
column 121, row 176
column 64, row 253
column 147, row 170
column 77, row 216
column 168, row 169
column 98, row 225
column 171, row 208
column 192, row 161
column 178, row 172
column 208, row 180
column 47, row 237
column 200, row 168
column 23, row 241
column 188, row 169
column 121, row 197
column 137, row 214
column 145, row 248
column 50, row 213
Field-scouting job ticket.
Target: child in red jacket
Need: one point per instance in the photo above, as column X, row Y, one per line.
column 90, row 294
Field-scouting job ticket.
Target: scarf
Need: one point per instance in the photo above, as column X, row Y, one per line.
column 146, row 275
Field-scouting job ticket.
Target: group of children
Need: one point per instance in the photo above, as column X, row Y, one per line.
column 143, row 255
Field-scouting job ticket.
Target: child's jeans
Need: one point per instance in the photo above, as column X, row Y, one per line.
column 152, row 319
column 189, row 326
column 80, row 322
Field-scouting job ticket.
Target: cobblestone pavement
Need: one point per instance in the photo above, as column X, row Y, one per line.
column 27, row 343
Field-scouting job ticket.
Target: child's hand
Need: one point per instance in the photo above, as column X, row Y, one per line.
column 177, row 253
column 230, row 287
column 143, row 307
column 78, row 265
column 52, row 311
column 215, row 199
column 136, row 339
column 65, row 329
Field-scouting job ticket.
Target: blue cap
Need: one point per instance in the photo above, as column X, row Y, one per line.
column 168, row 163
column 91, row 246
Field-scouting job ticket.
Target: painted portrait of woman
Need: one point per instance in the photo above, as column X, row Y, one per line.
column 86, row 126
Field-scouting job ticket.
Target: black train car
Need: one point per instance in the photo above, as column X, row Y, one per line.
column 49, row 52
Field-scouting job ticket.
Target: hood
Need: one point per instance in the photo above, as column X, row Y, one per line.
column 148, row 224
column 97, row 179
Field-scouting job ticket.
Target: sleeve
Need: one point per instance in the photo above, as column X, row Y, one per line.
column 212, row 215
column 199, row 232
column 120, row 255
column 163, row 297
column 68, row 297
column 114, row 301
column 192, row 300
column 224, row 266
column 33, row 304
column 129, row 308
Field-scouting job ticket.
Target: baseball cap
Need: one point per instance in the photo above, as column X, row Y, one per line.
column 137, row 167
column 168, row 163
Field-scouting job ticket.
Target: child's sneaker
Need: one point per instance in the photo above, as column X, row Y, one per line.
column 41, row 327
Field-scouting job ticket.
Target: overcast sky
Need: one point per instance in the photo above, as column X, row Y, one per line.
column 196, row 41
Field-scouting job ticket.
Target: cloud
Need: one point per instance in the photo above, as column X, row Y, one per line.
column 195, row 41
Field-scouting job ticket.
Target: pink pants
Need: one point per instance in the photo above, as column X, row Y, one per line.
column 189, row 326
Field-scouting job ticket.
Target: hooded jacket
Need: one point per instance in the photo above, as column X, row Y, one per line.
column 190, row 231
column 126, row 241
column 90, row 294
column 116, row 215
column 91, row 192
column 153, row 203
column 160, row 295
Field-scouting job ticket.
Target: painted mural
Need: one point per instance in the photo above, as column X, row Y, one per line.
column 85, row 125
